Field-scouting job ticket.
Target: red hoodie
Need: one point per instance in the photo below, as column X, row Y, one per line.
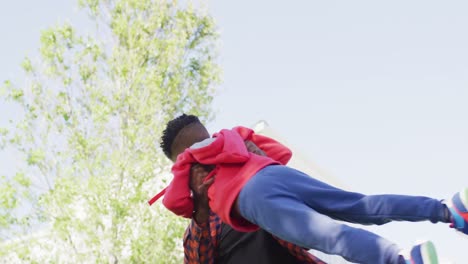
column 235, row 165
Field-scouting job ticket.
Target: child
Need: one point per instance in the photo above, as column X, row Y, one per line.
column 252, row 190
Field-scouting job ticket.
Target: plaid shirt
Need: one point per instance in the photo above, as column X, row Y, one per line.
column 201, row 241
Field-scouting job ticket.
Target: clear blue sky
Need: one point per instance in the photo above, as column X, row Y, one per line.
column 374, row 92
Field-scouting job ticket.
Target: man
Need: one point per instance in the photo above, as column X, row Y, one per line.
column 207, row 240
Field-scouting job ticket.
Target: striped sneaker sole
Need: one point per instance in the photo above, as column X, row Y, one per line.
column 460, row 206
column 424, row 254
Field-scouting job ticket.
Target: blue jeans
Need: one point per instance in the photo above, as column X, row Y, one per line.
column 300, row 209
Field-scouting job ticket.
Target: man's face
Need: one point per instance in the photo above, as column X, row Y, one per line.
column 198, row 174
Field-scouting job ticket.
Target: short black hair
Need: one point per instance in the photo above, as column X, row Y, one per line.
column 173, row 128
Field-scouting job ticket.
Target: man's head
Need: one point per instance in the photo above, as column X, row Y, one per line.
column 181, row 133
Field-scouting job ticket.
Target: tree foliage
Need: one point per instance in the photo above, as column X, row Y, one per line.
column 93, row 107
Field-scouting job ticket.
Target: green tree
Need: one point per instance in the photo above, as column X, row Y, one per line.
column 93, row 108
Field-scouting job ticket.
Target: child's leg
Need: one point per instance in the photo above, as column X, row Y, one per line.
column 292, row 206
column 354, row 207
column 292, row 220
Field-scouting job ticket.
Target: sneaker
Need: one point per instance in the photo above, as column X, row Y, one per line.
column 458, row 207
column 424, row 253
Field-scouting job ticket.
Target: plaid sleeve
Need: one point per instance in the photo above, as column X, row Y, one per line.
column 300, row 253
column 198, row 244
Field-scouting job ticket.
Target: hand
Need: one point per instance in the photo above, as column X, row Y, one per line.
column 199, row 188
column 251, row 147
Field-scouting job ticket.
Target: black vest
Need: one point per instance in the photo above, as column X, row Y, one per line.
column 251, row 248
